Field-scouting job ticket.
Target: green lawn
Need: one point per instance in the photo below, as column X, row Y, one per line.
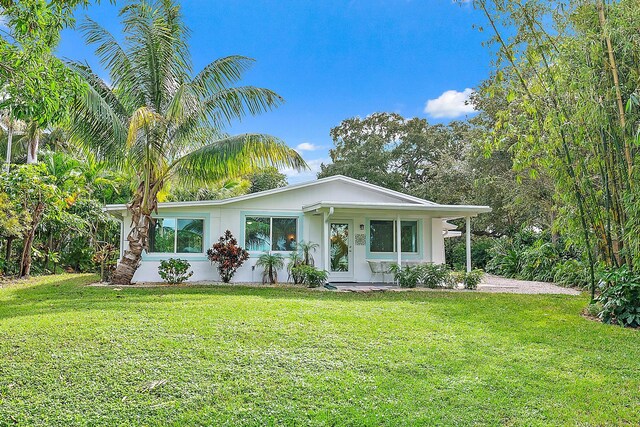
column 74, row 355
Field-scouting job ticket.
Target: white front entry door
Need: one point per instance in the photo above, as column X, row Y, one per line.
column 340, row 250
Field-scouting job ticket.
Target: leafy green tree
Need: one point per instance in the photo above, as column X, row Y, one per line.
column 444, row 163
column 364, row 150
column 569, row 76
column 266, row 179
column 35, row 195
column 157, row 119
column 37, row 87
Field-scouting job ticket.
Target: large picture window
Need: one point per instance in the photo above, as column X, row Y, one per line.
column 382, row 236
column 176, row 235
column 263, row 233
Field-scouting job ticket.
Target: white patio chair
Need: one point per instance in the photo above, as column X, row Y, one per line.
column 379, row 267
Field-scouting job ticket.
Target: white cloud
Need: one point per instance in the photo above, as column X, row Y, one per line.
column 306, row 146
column 294, row 176
column 450, row 104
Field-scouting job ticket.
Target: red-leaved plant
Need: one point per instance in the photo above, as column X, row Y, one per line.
column 228, row 255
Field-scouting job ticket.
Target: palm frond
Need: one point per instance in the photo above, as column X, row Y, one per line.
column 221, row 73
column 235, row 156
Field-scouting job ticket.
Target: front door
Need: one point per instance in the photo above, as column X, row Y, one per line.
column 340, row 251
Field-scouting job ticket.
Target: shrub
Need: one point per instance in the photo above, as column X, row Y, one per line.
column 309, row 275
column 620, row 297
column 571, row 273
column 174, row 270
column 271, row 263
column 456, row 252
column 472, row 279
column 506, row 258
column 594, row 309
column 295, row 274
column 407, row 277
column 429, row 275
column 435, row 275
column 538, row 261
column 228, row 255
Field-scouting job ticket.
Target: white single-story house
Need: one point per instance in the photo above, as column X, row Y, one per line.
column 357, row 226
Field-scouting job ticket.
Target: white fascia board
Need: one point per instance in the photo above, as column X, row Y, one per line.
column 444, row 211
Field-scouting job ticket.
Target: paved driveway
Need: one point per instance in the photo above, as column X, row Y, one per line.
column 492, row 283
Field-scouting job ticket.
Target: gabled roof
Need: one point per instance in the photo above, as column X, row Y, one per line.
column 340, row 178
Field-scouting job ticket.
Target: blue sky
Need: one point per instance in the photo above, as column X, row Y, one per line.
column 332, row 60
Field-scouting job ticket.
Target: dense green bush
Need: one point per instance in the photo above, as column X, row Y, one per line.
column 309, row 275
column 456, row 252
column 538, row 261
column 174, row 270
column 407, row 277
column 571, row 273
column 506, row 258
column 472, row 279
column 620, row 297
column 435, row 275
column 532, row 256
column 428, row 275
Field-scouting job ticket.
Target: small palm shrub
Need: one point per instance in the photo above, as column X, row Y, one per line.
column 270, row 263
column 174, row 270
column 620, row 297
column 228, row 255
column 295, row 274
column 306, row 249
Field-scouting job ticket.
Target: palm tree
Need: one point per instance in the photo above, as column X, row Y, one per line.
column 306, row 248
column 157, row 119
column 271, row 263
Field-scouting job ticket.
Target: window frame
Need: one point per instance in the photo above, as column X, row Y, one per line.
column 418, row 223
column 246, row 215
column 175, row 237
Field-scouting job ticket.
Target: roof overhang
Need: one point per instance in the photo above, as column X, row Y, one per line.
column 440, row 211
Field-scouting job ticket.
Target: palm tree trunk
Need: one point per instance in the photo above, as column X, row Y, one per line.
column 137, row 238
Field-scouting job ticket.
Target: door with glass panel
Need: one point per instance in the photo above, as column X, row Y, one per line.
column 340, row 251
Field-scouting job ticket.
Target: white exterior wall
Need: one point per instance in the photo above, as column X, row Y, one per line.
column 437, row 241
column 229, row 216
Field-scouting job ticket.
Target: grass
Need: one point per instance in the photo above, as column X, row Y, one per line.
column 76, row 355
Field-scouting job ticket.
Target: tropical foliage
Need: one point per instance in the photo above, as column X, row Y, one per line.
column 174, row 270
column 160, row 122
column 568, row 78
column 270, row 264
column 228, row 255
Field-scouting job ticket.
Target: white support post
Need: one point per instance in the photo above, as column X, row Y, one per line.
column 468, row 244
column 325, row 234
column 399, row 240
